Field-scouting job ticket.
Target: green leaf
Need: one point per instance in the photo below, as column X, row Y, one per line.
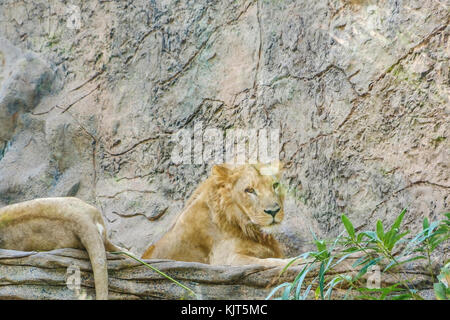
column 321, row 279
column 380, row 230
column 384, row 292
column 321, row 256
column 422, row 236
column 335, row 281
column 395, row 240
column 365, row 297
column 286, row 293
column 305, row 294
column 347, row 293
column 286, row 284
column 364, row 269
column 390, row 238
column 317, row 293
column 302, row 256
column 440, row 291
column 395, row 227
column 341, row 259
column 394, row 263
column 360, row 261
column 389, row 290
column 348, row 226
column 330, row 260
column 352, row 249
column 335, row 242
column 321, row 245
column 425, row 223
column 371, row 235
column 405, row 296
column 359, row 237
column 299, row 280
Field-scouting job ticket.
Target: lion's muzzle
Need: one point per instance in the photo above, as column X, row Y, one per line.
column 273, row 210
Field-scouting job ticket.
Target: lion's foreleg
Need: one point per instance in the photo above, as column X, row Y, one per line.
column 241, row 259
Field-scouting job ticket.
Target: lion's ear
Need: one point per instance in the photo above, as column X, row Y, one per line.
column 220, row 171
column 275, row 168
column 279, row 167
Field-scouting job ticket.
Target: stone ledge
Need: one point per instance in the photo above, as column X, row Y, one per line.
column 42, row 275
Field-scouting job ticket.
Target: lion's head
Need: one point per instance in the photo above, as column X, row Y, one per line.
column 254, row 192
column 231, row 215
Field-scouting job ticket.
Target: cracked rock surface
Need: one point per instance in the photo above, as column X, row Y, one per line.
column 90, row 97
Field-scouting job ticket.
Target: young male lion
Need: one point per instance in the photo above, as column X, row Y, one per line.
column 229, row 219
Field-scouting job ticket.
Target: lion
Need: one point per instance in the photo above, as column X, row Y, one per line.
column 51, row 223
column 229, row 219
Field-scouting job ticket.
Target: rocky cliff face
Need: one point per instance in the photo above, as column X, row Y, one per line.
column 92, row 92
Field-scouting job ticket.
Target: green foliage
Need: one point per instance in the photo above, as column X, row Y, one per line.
column 383, row 247
column 325, row 258
column 441, row 289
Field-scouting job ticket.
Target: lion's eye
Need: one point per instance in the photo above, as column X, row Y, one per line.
column 276, row 185
column 250, row 190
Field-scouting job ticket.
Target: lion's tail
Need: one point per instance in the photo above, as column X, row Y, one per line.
column 93, row 242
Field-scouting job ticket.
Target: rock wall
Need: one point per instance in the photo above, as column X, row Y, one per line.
column 92, row 92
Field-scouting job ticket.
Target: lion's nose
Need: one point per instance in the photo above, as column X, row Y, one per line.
column 273, row 211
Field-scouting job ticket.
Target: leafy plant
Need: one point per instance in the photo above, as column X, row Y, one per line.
column 432, row 235
column 383, row 247
column 325, row 259
column 441, row 289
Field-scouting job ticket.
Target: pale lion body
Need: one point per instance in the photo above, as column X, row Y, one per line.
column 228, row 220
column 53, row 223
